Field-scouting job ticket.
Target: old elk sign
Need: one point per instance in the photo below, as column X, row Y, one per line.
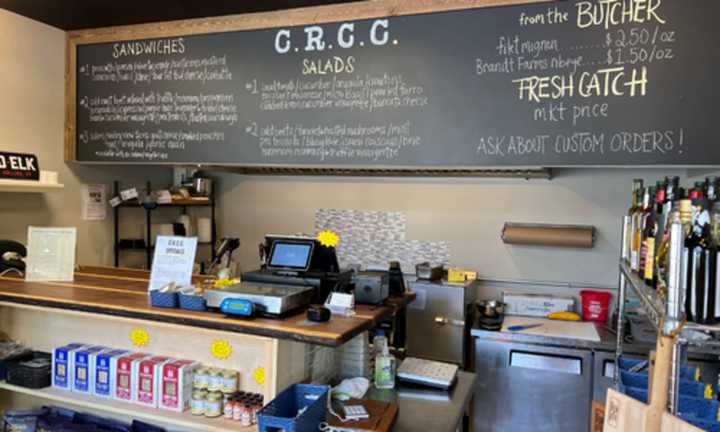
column 19, row 166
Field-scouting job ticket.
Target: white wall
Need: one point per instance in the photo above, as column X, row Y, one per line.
column 469, row 213
column 32, row 110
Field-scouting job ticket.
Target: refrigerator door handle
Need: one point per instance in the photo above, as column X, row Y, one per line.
column 441, row 320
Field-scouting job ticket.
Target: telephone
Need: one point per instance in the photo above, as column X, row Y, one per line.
column 11, row 256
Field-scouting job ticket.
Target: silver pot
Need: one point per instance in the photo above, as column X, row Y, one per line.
column 202, row 186
column 490, row 308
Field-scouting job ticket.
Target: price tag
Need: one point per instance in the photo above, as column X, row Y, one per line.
column 164, row 197
column 173, row 261
column 128, row 194
column 115, row 201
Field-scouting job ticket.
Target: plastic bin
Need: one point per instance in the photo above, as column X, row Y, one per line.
column 163, row 299
column 640, row 381
column 299, row 408
column 33, row 372
column 595, row 305
column 686, row 372
column 192, row 302
column 690, row 407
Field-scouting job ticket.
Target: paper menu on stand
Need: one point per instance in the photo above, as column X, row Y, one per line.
column 173, row 261
column 51, row 254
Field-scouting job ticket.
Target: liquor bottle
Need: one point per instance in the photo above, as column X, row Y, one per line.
column 651, row 237
column 647, row 220
column 627, row 220
column 637, row 227
column 697, row 245
column 714, row 274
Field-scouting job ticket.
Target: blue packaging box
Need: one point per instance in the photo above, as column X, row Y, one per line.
column 62, row 365
column 103, row 365
column 82, row 372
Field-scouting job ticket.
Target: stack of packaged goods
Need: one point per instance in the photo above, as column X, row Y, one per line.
column 153, row 381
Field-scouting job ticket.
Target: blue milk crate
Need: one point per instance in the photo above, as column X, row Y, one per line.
column 686, row 372
column 298, row 408
column 687, row 388
column 708, row 426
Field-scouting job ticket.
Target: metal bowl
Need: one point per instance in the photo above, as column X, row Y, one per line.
column 490, row 308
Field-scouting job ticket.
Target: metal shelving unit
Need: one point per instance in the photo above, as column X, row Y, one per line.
column 148, row 247
column 666, row 316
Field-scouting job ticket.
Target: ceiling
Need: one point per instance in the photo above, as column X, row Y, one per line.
column 82, row 14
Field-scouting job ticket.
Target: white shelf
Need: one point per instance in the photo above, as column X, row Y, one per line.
column 28, row 186
column 185, row 421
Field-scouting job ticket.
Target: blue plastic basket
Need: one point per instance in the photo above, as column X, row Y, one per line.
column 163, row 299
column 687, row 388
column 690, row 407
column 709, row 426
column 686, row 372
column 192, row 302
column 298, row 408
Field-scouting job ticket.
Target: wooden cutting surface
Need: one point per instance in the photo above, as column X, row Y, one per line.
column 123, row 292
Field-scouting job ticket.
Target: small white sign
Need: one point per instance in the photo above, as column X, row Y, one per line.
column 128, row 194
column 93, row 202
column 115, row 201
column 173, row 261
column 51, row 254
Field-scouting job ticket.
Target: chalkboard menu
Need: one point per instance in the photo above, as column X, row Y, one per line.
column 576, row 83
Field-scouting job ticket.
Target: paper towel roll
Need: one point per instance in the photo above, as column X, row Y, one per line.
column 204, row 230
column 187, row 223
column 549, row 235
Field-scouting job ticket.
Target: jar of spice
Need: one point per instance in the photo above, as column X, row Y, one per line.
column 214, row 380
column 200, row 379
column 213, row 404
column 229, row 381
column 246, row 419
column 197, row 403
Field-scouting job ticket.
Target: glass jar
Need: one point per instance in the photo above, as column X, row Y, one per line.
column 229, row 381
column 197, row 403
column 213, row 404
column 200, row 379
column 214, row 380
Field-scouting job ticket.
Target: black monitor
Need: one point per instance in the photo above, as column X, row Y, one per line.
column 291, row 255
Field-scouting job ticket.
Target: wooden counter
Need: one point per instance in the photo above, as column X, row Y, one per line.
column 123, row 292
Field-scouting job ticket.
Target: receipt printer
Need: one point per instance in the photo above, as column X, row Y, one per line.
column 371, row 287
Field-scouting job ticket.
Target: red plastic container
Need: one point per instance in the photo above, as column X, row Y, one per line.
column 595, row 305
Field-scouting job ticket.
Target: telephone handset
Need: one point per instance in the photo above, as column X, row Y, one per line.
column 11, row 255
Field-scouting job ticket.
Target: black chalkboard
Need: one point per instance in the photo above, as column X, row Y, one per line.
column 628, row 82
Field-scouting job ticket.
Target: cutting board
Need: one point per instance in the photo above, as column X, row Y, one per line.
column 554, row 328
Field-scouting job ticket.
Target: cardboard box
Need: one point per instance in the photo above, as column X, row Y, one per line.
column 536, row 304
column 62, row 365
column 177, row 384
column 126, row 376
column 147, row 385
column 104, row 365
column 82, row 368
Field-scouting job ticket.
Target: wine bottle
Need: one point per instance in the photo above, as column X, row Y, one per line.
column 637, row 227
column 627, row 220
column 647, row 220
column 651, row 235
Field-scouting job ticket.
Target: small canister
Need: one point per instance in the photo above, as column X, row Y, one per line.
column 197, row 403
column 237, row 410
column 229, row 381
column 214, row 380
column 200, row 379
column 213, row 404
column 246, row 419
column 228, row 409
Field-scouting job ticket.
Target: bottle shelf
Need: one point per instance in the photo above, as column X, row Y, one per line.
column 654, row 307
column 184, row 421
column 651, row 301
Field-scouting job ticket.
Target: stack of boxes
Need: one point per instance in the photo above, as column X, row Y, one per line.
column 144, row 379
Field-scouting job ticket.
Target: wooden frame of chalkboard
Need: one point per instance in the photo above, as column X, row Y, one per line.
column 505, row 84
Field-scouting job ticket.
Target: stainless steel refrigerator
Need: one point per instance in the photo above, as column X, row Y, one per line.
column 439, row 321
